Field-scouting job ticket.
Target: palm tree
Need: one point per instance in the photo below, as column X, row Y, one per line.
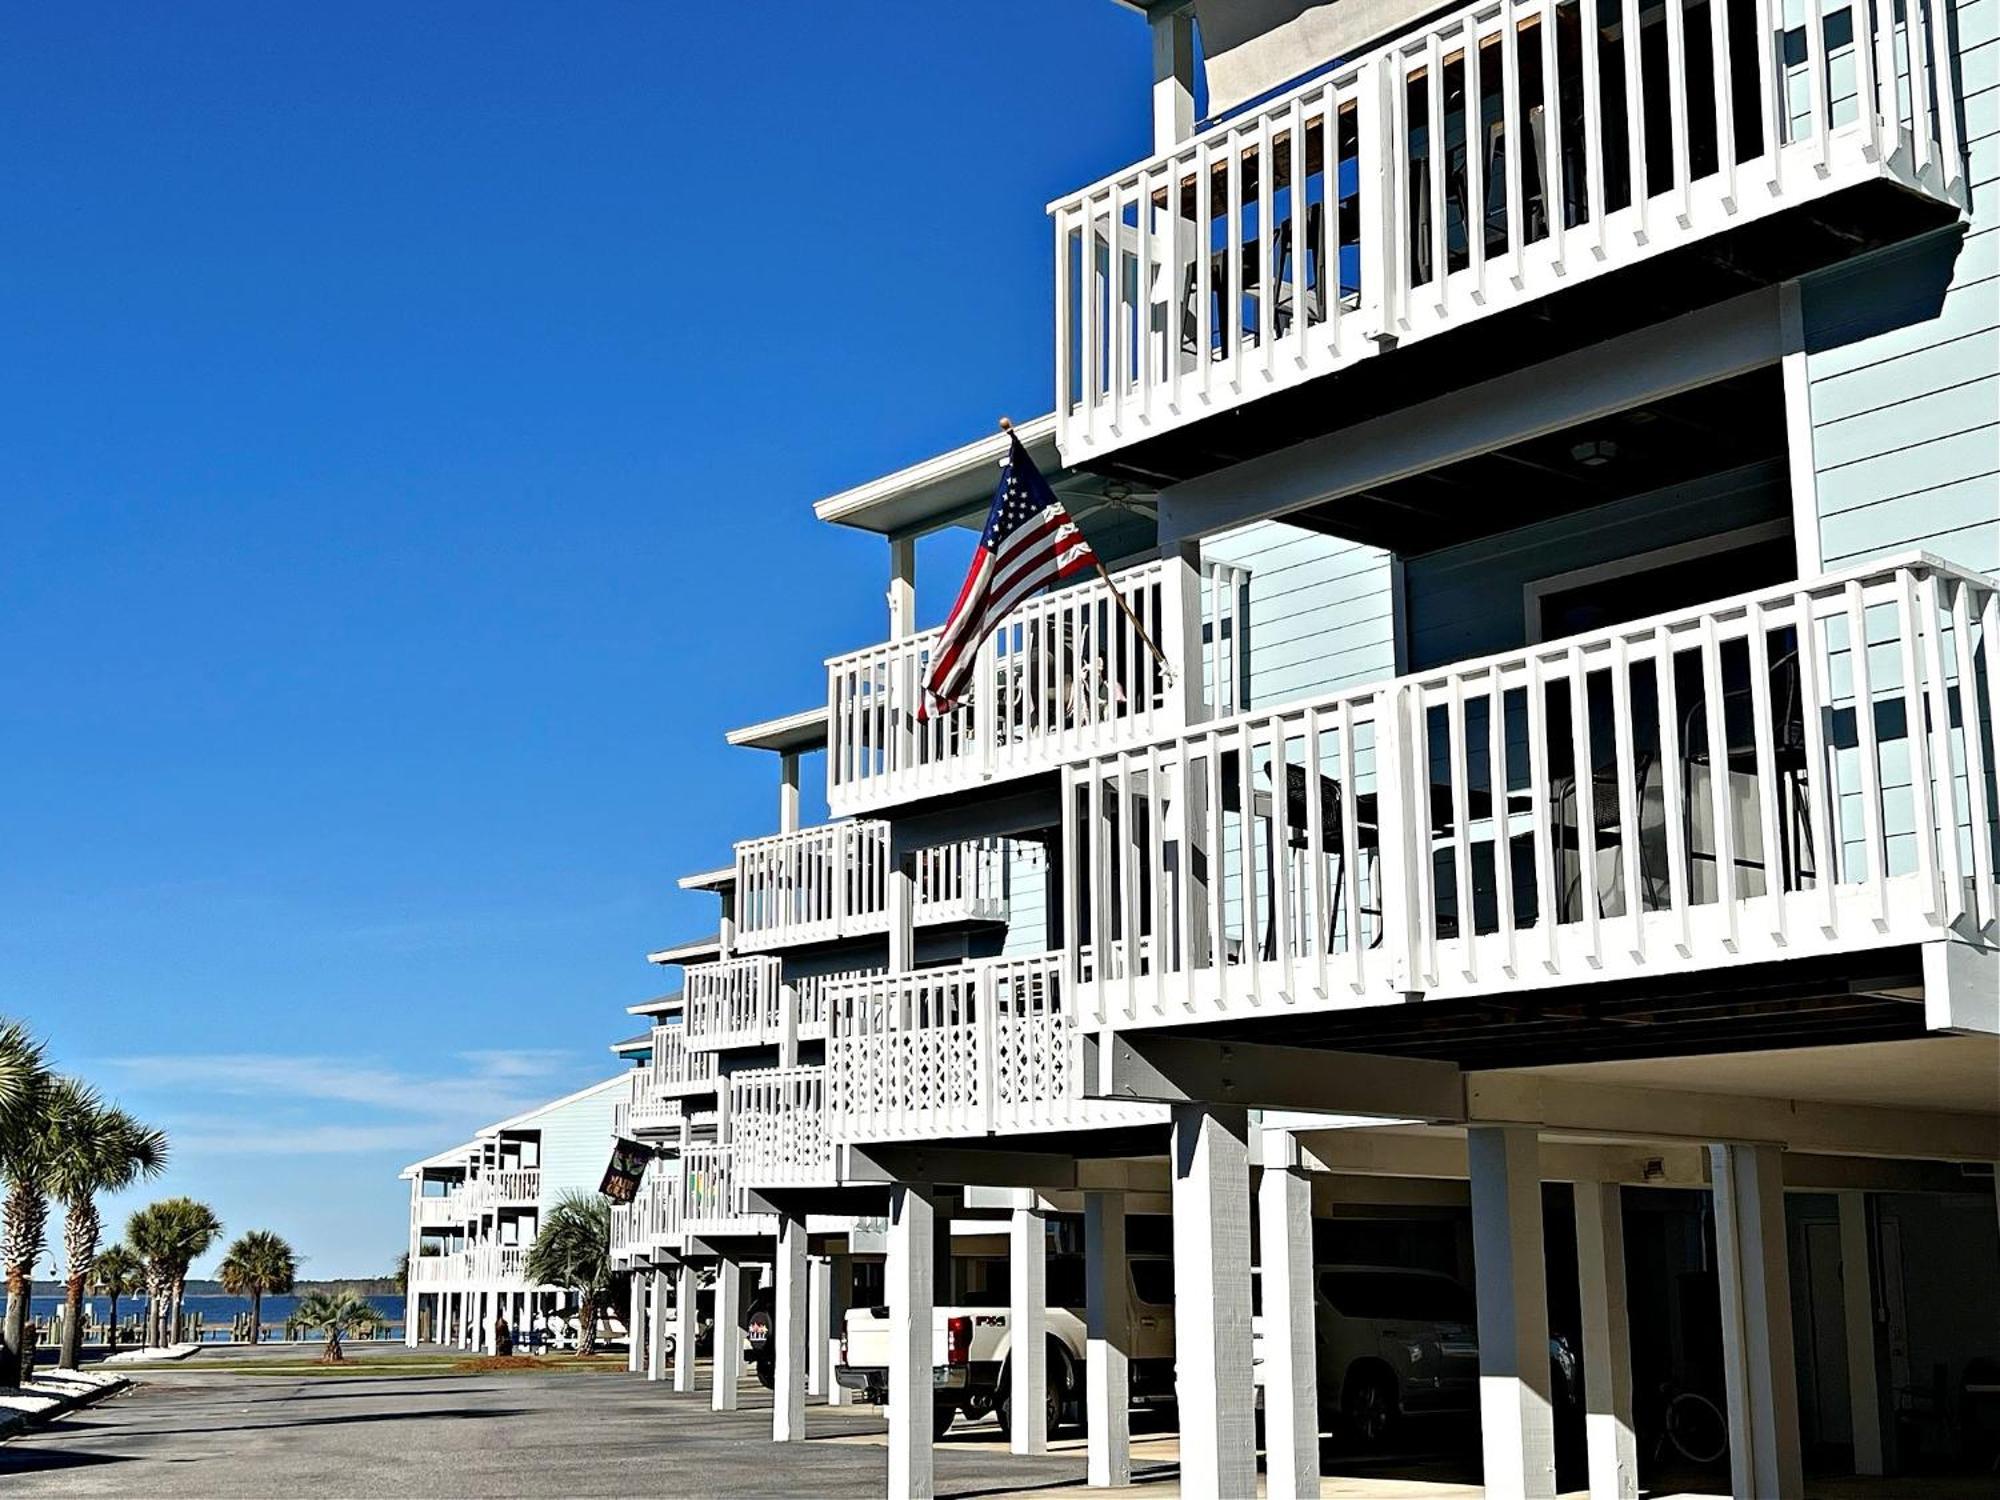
column 259, row 1262
column 172, row 1235
column 573, row 1250
column 22, row 1071
column 116, row 1273
column 339, row 1313
column 24, row 1213
column 401, row 1274
column 91, row 1149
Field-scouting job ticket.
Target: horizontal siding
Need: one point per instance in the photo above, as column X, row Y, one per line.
column 1027, row 897
column 1321, row 615
column 1903, row 365
column 576, row 1142
column 1469, row 600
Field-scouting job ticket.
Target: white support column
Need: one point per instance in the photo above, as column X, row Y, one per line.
column 788, row 791
column 1181, row 608
column 909, row 1288
column 489, row 1310
column 656, row 1325
column 635, row 1319
column 1291, row 1380
column 902, row 587
column 1857, row 1290
column 726, row 1344
column 1757, row 1361
column 1607, row 1354
column 1028, row 1329
column 412, row 1315
column 902, row 914
column 1107, row 1358
column 819, row 1279
column 1173, row 78
column 1516, row 1426
column 792, row 1330
column 839, row 1293
column 687, row 1300
column 1211, row 1203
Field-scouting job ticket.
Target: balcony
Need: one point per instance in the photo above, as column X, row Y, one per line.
column 677, row 1070
column 435, row 1270
column 651, row 1222
column 977, row 1049
column 778, row 1127
column 1329, row 226
column 712, row 1200
column 824, row 884
column 448, row 1210
column 506, row 1187
column 738, row 1002
column 1066, row 674
column 1803, row 771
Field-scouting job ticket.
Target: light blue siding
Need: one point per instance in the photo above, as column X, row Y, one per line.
column 1321, row 611
column 1903, row 365
column 576, row 1140
column 1469, row 600
column 1027, row 896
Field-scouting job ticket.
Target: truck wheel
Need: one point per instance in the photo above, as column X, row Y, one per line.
column 1059, row 1384
column 941, row 1417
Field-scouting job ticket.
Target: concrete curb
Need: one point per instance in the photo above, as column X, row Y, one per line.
column 82, row 1393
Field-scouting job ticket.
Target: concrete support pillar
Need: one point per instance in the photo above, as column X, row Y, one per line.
column 839, row 1293
column 687, row 1303
column 726, row 1353
column 1291, row 1379
column 1028, row 1327
column 1516, row 1426
column 1211, row 1203
column 791, row 1328
column 489, row 1309
column 656, row 1325
column 1857, row 1291
column 635, row 1320
column 413, row 1314
column 910, row 1274
column 1107, row 1360
column 1755, row 1284
column 1607, row 1353
column 819, row 1361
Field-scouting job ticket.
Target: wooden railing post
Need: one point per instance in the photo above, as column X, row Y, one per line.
column 1402, row 800
column 985, row 1073
column 1180, row 630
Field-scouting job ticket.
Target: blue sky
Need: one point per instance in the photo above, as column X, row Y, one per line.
column 409, row 423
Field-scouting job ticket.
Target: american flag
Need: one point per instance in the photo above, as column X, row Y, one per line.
column 1029, row 542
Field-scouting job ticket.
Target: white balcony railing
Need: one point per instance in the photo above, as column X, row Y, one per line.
column 982, row 1048
column 652, row 1220
column 1729, row 784
column 515, row 1184
column 1348, row 198
column 451, row 1208
column 735, row 1002
column 821, row 884
column 777, row 1124
column 1066, row 674
column 676, row 1070
column 711, row 1197
column 431, row 1270
column 811, row 991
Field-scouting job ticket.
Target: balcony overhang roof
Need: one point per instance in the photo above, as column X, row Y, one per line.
column 631, row 1044
column 701, row 950
column 455, row 1158
column 663, row 1005
column 794, row 733
column 709, row 880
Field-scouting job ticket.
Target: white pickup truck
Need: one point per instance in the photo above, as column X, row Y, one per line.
column 973, row 1343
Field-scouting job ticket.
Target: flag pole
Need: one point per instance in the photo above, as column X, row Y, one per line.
column 1166, row 667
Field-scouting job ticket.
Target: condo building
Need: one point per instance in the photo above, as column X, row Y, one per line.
column 475, row 1210
column 1517, row 812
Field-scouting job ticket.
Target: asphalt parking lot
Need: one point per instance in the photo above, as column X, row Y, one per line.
column 190, row 1432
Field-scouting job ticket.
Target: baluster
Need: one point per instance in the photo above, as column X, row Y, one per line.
column 1279, row 843
column 1156, row 865
column 1320, row 927
column 1515, row 135
column 1350, row 842
column 1583, row 778
column 1192, row 955
column 1590, row 42
column 1978, row 808
column 1266, row 242
column 1204, row 262
column 1635, row 119
column 1677, row 110
column 1065, row 315
column 1725, row 106
column 1918, row 742
column 1439, row 161
column 1546, row 880
column 1218, row 926
column 1304, row 250
column 1950, row 868
column 1142, row 301
column 1916, row 41
column 1233, row 243
column 1119, row 340
column 1763, row 731
column 1458, row 781
column 1629, row 832
column 1816, row 91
